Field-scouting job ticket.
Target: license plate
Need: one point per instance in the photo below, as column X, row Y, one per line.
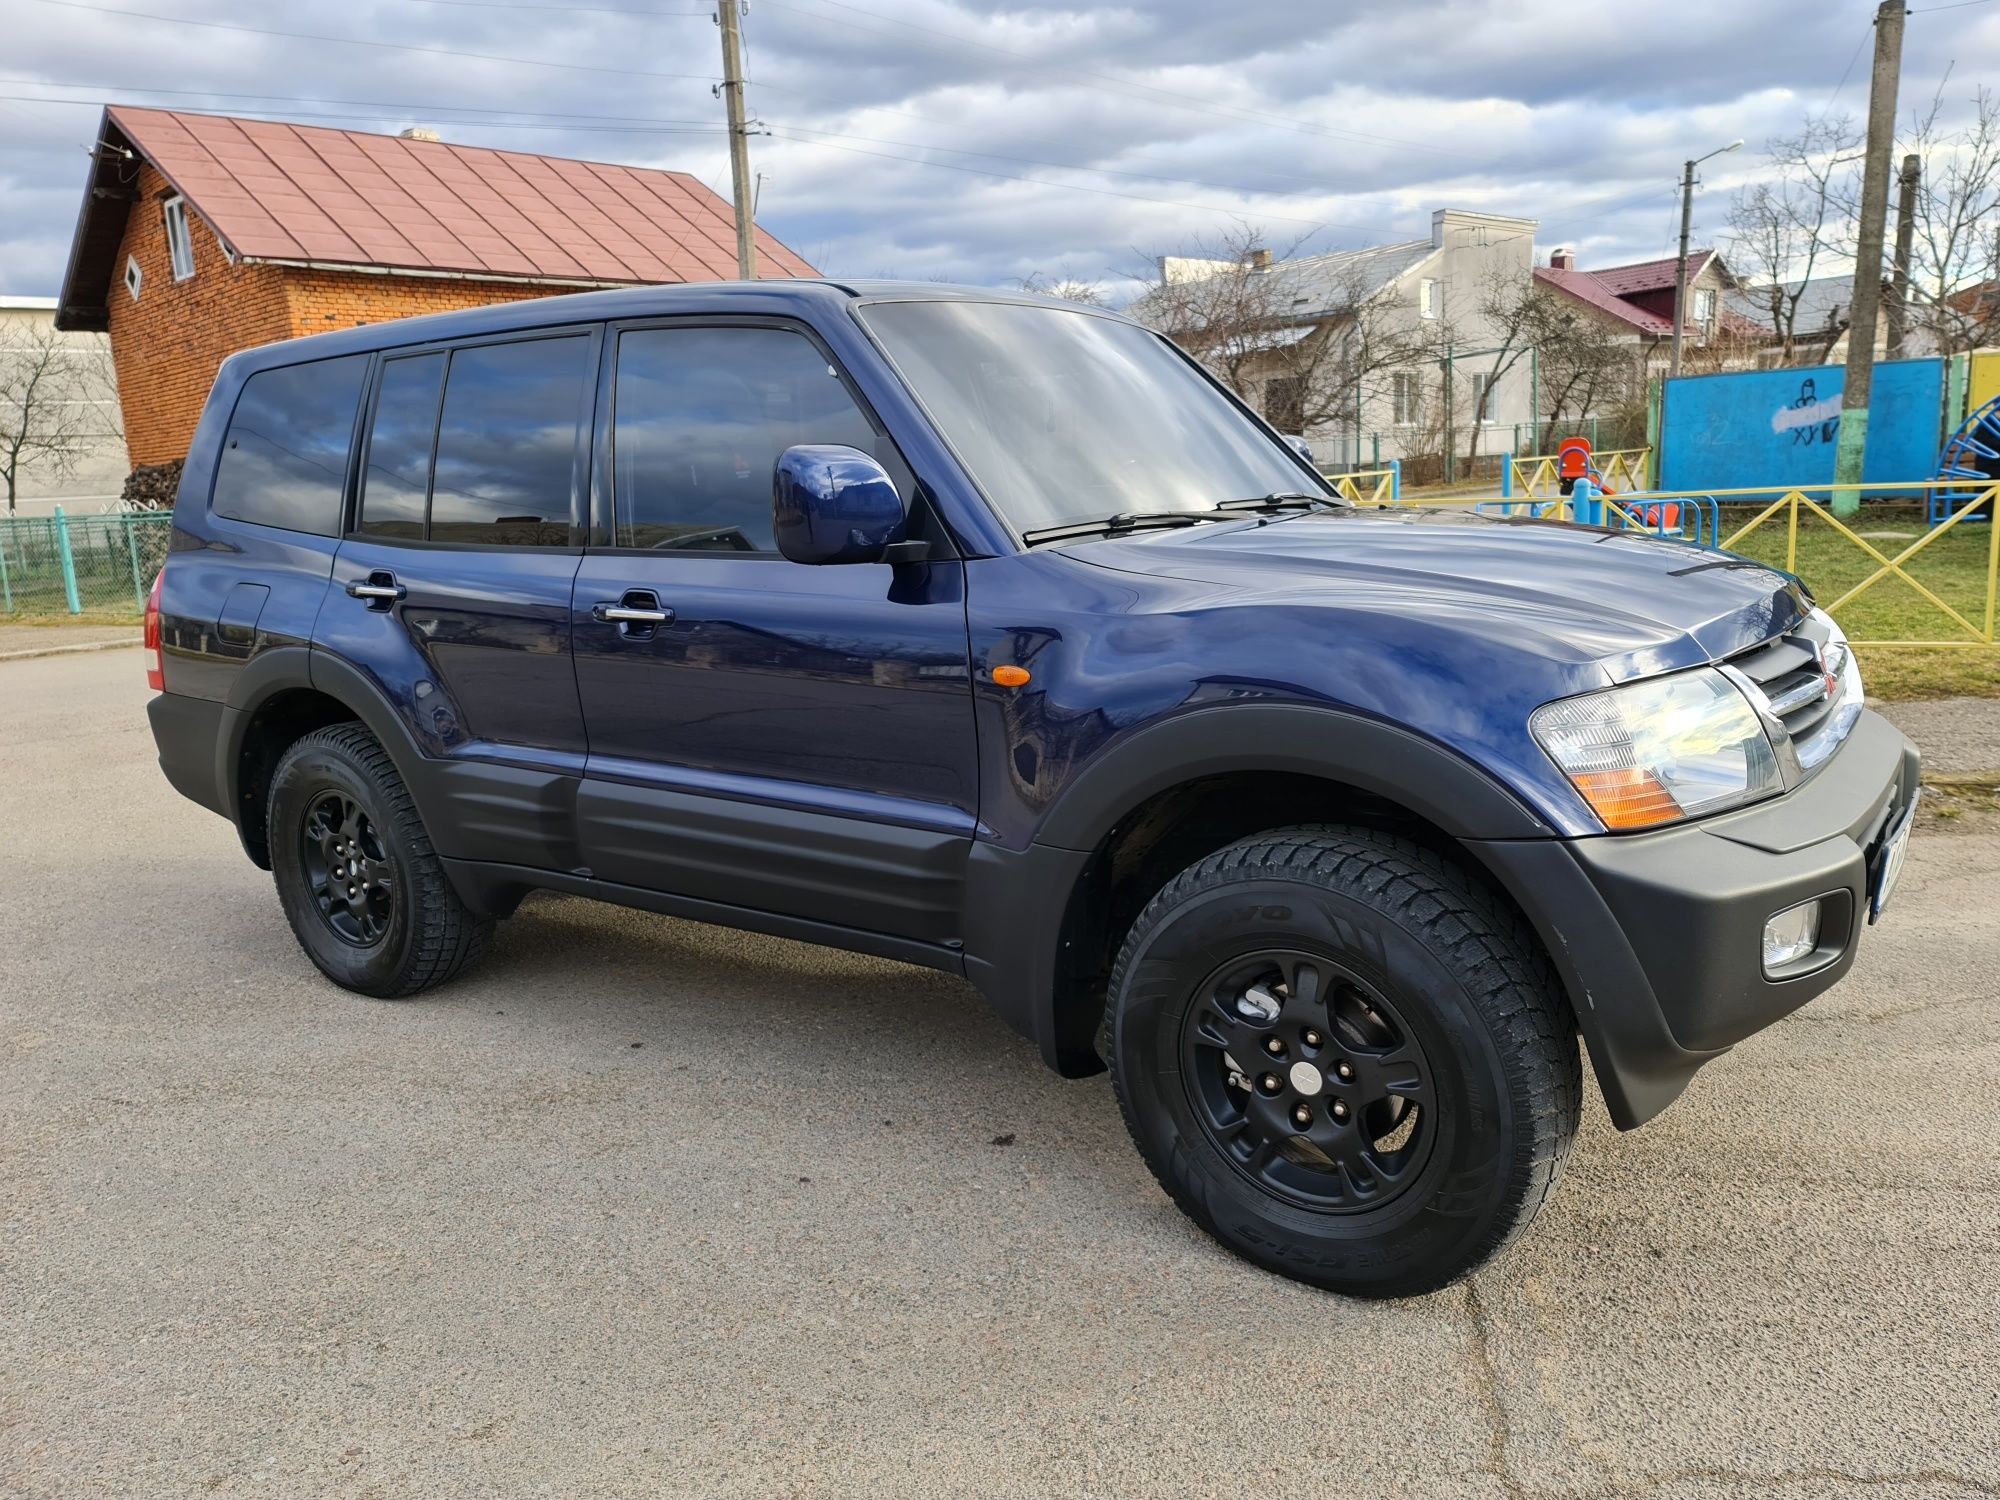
column 1889, row 868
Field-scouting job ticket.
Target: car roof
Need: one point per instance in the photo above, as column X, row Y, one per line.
column 789, row 296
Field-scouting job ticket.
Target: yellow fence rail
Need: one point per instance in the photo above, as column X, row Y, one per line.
column 1797, row 530
column 1369, row 486
column 1535, row 475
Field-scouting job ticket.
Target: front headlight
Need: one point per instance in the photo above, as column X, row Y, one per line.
column 1657, row 751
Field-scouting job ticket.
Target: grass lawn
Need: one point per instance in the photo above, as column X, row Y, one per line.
column 1954, row 567
column 127, row 616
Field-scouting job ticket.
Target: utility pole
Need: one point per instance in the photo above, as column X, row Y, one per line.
column 1681, row 268
column 1859, row 387
column 1899, row 282
column 739, row 138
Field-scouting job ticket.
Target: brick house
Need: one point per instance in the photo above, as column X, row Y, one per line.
column 201, row 235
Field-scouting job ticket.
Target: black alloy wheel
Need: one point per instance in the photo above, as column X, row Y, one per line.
column 365, row 892
column 350, row 874
column 1305, row 1077
column 1346, row 1056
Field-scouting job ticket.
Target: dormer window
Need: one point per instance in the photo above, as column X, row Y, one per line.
column 180, row 248
column 134, row 277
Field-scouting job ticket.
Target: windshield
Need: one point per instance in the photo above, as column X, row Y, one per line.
column 1065, row 417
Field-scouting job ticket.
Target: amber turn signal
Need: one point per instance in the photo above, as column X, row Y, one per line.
column 1010, row 676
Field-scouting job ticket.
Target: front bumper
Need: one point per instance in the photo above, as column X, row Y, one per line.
column 1658, row 935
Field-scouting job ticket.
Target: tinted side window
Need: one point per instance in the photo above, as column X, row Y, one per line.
column 284, row 458
column 507, row 442
column 398, row 478
column 702, row 415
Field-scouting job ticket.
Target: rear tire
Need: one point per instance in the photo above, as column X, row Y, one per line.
column 1344, row 1057
column 366, row 894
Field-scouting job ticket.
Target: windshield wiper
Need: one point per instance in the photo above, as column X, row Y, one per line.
column 1278, row 500
column 1130, row 520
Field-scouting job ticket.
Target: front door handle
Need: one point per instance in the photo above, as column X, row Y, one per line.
column 625, row 615
column 379, row 588
column 636, row 614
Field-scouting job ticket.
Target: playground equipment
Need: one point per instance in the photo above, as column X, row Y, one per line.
column 1972, row 454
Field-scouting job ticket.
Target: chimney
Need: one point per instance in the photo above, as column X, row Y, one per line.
column 1258, row 259
column 418, row 133
column 1562, row 260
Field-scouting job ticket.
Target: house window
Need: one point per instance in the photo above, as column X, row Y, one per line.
column 1482, row 398
column 134, row 277
column 1430, row 297
column 1403, row 390
column 180, row 249
column 1704, row 310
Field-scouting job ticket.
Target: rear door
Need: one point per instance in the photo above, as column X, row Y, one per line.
column 271, row 519
column 764, row 734
column 451, row 590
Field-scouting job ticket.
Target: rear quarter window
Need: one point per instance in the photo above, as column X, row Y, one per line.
column 284, row 457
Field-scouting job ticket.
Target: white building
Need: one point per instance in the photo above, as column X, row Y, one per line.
column 86, row 389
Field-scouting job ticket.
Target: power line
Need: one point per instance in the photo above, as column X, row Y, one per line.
column 351, row 41
column 1063, row 166
column 635, row 125
column 577, row 10
column 427, row 107
column 1130, row 86
column 663, row 127
column 1854, row 56
column 1074, row 187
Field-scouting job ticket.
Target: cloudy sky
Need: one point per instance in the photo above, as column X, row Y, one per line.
column 984, row 143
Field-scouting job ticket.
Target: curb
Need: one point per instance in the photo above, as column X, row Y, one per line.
column 1974, row 781
column 35, row 651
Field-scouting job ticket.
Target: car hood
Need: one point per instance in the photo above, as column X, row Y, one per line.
column 1627, row 601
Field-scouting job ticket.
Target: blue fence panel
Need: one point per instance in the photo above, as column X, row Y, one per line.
column 1779, row 427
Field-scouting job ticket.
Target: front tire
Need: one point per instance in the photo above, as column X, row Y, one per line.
column 365, row 892
column 1345, row 1058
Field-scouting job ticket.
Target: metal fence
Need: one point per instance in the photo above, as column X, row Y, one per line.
column 63, row 564
column 1941, row 590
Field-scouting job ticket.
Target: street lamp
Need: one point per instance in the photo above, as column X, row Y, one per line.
column 1681, row 268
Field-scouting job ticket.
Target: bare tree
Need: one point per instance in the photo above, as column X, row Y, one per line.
column 1955, row 251
column 1582, row 368
column 49, row 396
column 1585, row 370
column 1065, row 286
column 1306, row 343
column 1785, row 231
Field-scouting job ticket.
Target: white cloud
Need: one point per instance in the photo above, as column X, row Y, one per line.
column 1144, row 126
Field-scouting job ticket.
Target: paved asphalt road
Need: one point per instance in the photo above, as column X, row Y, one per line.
column 647, row 1208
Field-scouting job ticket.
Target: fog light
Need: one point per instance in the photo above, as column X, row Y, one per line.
column 1791, row 935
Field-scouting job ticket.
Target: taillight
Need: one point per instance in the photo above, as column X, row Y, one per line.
column 156, row 666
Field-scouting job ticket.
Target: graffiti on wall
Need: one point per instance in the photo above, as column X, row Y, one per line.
column 1750, row 428
column 1809, row 419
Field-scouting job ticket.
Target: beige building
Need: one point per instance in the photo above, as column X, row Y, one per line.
column 83, row 393
column 1382, row 334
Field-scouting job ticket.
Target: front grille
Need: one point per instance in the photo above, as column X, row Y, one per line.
column 1806, row 683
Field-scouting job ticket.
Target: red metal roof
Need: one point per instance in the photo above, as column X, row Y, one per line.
column 1649, row 275
column 1586, row 286
column 283, row 192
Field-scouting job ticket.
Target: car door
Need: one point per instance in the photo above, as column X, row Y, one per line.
column 452, row 588
column 763, row 734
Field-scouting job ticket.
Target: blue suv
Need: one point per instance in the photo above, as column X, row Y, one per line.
column 991, row 634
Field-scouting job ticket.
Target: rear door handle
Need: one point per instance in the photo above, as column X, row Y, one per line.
column 379, row 588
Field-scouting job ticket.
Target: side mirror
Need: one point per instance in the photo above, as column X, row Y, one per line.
column 831, row 504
